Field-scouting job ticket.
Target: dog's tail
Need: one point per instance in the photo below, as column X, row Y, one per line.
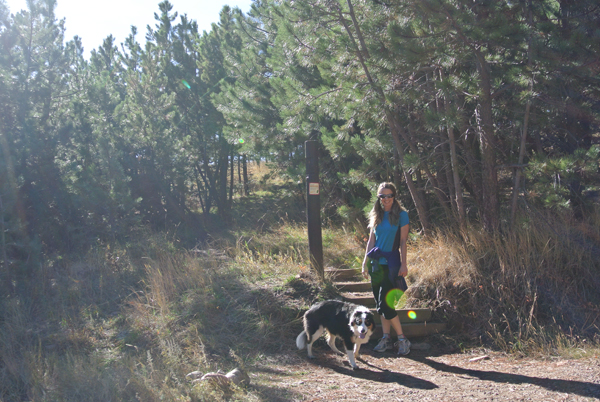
column 301, row 340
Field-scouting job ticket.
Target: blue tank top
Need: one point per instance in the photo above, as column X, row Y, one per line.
column 385, row 233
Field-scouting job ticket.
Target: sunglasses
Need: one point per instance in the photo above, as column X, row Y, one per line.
column 382, row 196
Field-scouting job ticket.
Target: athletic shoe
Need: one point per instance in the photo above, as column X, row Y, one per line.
column 384, row 344
column 403, row 346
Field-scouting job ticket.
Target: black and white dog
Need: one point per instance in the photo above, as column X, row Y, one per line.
column 351, row 322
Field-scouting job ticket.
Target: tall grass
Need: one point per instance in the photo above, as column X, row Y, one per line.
column 129, row 322
column 528, row 290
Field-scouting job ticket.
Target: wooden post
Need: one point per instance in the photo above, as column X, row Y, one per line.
column 313, row 208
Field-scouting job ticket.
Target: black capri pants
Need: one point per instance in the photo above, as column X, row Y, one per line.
column 381, row 285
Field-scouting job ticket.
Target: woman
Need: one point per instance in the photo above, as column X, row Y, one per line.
column 383, row 261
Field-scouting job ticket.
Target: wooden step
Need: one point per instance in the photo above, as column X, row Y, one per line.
column 414, row 330
column 362, row 299
column 341, row 274
column 353, row 286
column 406, row 317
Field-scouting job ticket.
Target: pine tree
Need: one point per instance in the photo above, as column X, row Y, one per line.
column 36, row 72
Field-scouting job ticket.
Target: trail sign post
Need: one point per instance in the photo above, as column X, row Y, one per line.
column 313, row 208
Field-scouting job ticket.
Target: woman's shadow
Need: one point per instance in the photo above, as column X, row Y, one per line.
column 582, row 388
column 374, row 373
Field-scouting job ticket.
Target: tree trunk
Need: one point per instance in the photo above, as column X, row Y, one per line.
column 397, row 172
column 457, row 187
column 231, row 179
column 460, row 205
column 489, row 210
column 421, row 189
column 489, row 179
column 441, row 162
column 517, row 184
column 239, row 171
column 3, row 241
column 440, row 195
column 472, row 164
column 449, row 188
column 245, row 172
column 205, row 196
column 223, row 164
column 419, row 204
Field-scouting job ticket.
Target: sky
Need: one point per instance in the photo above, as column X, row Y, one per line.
column 93, row 21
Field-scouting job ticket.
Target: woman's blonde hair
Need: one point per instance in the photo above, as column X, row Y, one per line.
column 376, row 213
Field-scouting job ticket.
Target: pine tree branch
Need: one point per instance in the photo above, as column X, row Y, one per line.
column 326, row 92
column 357, row 27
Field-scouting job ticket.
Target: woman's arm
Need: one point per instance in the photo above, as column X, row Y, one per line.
column 403, row 238
column 370, row 244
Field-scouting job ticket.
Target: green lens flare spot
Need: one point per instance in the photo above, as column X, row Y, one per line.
column 184, row 82
column 412, row 315
column 393, row 297
column 241, row 140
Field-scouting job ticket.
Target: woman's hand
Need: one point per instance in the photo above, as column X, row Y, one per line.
column 403, row 270
column 370, row 244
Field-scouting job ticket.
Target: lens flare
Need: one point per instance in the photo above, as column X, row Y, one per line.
column 184, row 82
column 241, row 140
column 412, row 315
column 393, row 297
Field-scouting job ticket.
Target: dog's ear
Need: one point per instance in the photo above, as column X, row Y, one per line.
column 371, row 319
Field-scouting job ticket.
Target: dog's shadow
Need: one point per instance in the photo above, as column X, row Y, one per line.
column 371, row 372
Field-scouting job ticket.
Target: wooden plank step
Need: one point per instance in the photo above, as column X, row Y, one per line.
column 341, row 274
column 414, row 330
column 353, row 286
column 363, row 299
column 406, row 316
column 367, row 300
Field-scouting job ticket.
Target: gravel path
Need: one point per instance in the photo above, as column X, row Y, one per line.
column 425, row 375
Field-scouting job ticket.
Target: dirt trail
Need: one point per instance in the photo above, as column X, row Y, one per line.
column 425, row 375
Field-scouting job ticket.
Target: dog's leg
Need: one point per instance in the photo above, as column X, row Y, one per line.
column 356, row 349
column 311, row 339
column 350, row 354
column 350, row 351
column 331, row 342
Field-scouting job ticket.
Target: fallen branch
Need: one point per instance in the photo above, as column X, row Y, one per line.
column 236, row 376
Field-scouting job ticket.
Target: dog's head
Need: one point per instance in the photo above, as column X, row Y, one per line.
column 362, row 323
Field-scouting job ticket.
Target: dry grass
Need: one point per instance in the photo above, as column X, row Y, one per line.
column 129, row 322
column 529, row 291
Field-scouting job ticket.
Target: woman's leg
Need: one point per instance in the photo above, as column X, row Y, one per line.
column 383, row 308
column 381, row 286
column 385, row 325
column 395, row 322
